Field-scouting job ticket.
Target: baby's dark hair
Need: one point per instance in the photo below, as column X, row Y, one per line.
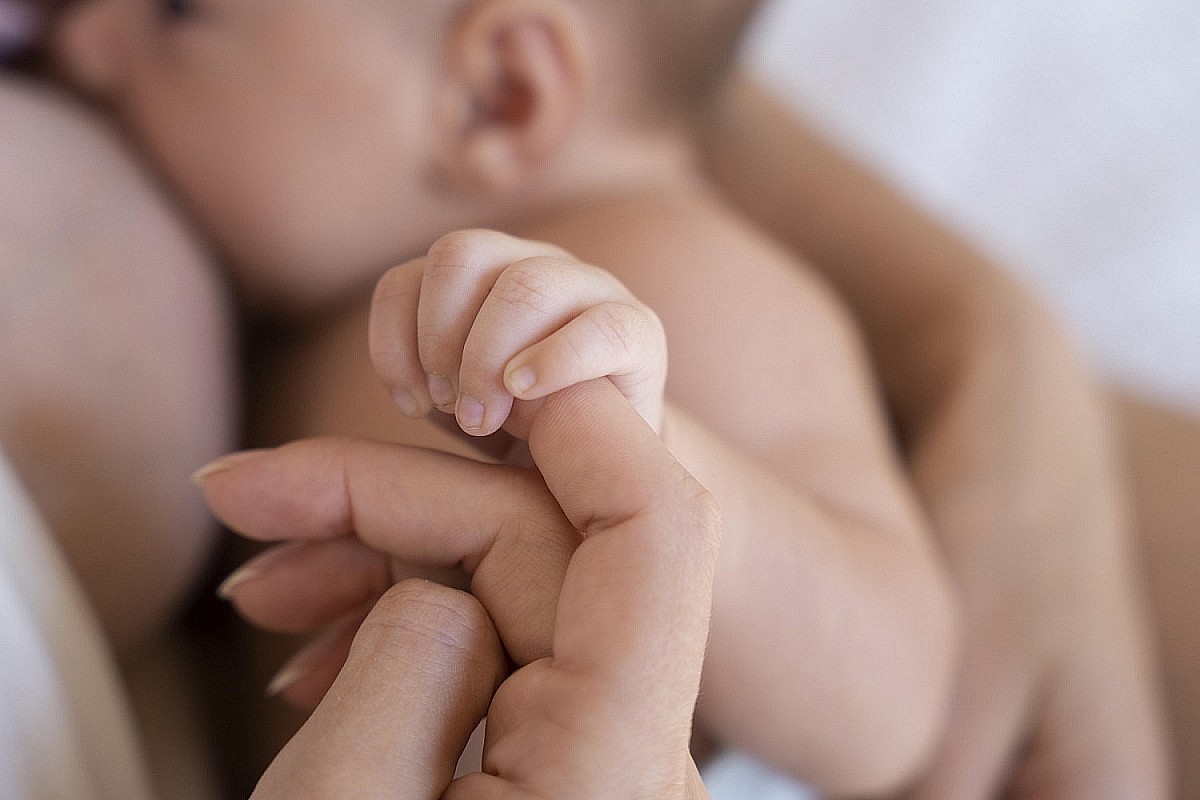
column 21, row 22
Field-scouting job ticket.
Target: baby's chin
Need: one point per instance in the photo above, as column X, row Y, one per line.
column 278, row 291
column 308, row 257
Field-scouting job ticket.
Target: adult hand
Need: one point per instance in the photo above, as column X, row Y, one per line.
column 608, row 665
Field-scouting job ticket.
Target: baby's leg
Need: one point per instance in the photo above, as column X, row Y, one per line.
column 1164, row 451
column 115, row 356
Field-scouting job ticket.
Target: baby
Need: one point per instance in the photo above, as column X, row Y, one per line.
column 319, row 143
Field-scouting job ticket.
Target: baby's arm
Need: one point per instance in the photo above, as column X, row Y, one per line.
column 825, row 566
column 833, row 637
column 485, row 319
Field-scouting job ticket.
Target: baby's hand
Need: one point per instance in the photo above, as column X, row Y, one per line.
column 485, row 319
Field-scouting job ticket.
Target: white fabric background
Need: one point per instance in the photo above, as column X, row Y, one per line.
column 1062, row 137
column 64, row 729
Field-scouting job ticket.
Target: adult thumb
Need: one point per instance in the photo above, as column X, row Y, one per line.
column 420, row 675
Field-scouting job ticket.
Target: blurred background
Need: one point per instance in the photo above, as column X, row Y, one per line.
column 1062, row 138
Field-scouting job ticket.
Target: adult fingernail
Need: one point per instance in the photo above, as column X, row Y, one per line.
column 262, row 563
column 284, row 679
column 236, row 578
column 224, row 463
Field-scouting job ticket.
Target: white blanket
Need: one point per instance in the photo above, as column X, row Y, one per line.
column 1062, row 137
column 65, row 730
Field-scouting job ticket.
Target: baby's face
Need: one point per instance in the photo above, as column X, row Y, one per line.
column 296, row 130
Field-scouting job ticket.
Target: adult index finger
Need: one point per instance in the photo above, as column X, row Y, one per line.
column 423, row 507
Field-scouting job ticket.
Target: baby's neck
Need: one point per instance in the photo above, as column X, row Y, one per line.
column 610, row 164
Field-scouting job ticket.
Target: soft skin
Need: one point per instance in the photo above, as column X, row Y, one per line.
column 399, row 124
column 604, row 707
column 758, row 497
column 1011, row 447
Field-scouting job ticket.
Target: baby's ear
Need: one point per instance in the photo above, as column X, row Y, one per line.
column 515, row 86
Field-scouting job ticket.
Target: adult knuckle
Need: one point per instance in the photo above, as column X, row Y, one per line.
column 424, row 612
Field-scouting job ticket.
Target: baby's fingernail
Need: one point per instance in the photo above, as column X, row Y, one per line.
column 442, row 392
column 469, row 412
column 223, row 463
column 521, row 380
column 407, row 402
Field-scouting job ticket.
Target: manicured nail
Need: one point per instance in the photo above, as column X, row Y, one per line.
column 469, row 412
column 236, row 578
column 223, row 463
column 284, row 679
column 521, row 380
column 443, row 393
column 261, row 564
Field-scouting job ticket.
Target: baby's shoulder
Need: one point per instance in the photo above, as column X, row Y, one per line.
column 685, row 249
column 761, row 349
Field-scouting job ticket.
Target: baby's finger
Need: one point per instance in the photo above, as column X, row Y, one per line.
column 619, row 340
column 531, row 299
column 392, row 335
column 459, row 272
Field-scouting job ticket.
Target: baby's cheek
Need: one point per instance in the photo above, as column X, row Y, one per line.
column 295, row 233
column 278, row 260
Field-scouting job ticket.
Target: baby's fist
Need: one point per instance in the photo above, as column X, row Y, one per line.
column 486, row 319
